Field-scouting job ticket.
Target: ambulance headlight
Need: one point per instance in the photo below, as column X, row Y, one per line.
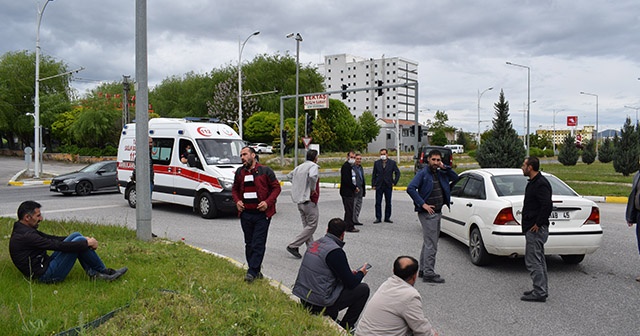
column 227, row 184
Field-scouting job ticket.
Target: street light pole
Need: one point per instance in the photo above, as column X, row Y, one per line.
column 240, row 49
column 554, row 129
column 526, row 138
column 298, row 40
column 480, row 96
column 635, row 108
column 594, row 95
column 36, row 104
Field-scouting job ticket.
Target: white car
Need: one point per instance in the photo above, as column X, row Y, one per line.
column 486, row 211
column 262, row 148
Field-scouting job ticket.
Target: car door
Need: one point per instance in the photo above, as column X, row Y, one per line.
column 452, row 219
column 467, row 203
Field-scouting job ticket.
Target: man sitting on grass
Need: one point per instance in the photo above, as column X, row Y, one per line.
column 28, row 249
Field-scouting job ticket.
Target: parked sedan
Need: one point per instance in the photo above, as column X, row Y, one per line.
column 100, row 176
column 486, row 212
column 262, row 148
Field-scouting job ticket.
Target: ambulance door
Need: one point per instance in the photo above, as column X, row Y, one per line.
column 188, row 172
column 163, row 182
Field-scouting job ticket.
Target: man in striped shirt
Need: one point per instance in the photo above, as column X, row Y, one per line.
column 255, row 191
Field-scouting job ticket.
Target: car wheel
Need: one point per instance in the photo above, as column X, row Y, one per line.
column 477, row 252
column 206, row 206
column 83, row 188
column 572, row 258
column 131, row 196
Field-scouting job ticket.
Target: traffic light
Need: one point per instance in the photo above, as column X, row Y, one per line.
column 419, row 133
column 284, row 137
column 379, row 90
column 344, row 94
column 309, row 123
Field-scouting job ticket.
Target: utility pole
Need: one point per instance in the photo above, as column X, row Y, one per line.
column 125, row 100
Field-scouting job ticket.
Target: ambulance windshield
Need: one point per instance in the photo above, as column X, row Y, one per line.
column 220, row 151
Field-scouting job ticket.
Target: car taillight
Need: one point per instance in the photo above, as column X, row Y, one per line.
column 505, row 217
column 594, row 217
column 421, row 157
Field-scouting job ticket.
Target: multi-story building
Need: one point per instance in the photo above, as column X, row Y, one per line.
column 366, row 73
column 557, row 136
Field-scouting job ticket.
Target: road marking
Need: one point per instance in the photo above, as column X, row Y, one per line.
column 44, row 212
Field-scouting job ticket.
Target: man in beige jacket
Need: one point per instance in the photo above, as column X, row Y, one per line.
column 396, row 308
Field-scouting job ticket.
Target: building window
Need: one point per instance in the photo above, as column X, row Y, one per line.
column 329, row 70
column 354, row 76
column 348, row 76
column 341, row 71
column 388, row 136
column 329, row 61
column 387, row 72
column 376, row 65
column 367, row 97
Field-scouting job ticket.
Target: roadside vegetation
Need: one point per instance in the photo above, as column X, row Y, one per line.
column 170, row 289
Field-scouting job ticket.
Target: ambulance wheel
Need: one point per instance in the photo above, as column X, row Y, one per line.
column 131, row 196
column 206, row 206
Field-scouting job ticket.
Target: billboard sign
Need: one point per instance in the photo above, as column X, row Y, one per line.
column 572, row 121
column 316, row 102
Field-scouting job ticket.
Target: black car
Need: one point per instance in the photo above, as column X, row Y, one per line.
column 100, row 176
column 423, row 153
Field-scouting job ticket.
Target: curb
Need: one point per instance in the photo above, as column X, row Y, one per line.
column 15, row 183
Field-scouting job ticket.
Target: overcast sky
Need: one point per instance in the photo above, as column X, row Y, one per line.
column 461, row 46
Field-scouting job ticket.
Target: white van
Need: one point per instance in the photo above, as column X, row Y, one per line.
column 456, row 149
column 203, row 183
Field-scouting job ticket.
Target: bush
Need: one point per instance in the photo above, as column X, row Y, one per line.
column 548, row 153
column 472, row 153
column 535, row 151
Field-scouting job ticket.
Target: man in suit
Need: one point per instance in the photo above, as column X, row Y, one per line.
column 385, row 175
column 360, row 183
column 348, row 190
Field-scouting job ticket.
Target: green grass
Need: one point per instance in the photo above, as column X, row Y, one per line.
column 170, row 289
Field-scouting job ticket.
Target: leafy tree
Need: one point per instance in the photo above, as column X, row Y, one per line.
column 370, row 128
column 224, row 103
column 439, row 137
column 605, row 152
column 344, row 125
column 626, row 154
column 589, row 152
column 541, row 142
column 440, row 122
column 569, row 153
column 187, row 96
column 503, row 148
column 17, row 93
column 322, row 133
column 463, row 139
column 259, row 127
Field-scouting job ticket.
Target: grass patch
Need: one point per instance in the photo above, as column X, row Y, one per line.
column 171, row 289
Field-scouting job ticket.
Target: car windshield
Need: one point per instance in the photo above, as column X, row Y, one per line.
column 220, row 151
column 514, row 185
column 92, row 168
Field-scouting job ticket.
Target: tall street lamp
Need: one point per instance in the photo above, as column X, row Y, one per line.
column 526, row 138
column 594, row 95
column 36, row 104
column 635, row 108
column 298, row 40
column 554, row 129
column 480, row 96
column 240, row 49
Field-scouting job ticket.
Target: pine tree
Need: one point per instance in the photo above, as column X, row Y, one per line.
column 626, row 157
column 503, row 149
column 569, row 153
column 605, row 152
column 589, row 152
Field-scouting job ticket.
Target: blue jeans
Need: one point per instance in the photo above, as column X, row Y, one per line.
column 386, row 191
column 61, row 263
column 255, row 227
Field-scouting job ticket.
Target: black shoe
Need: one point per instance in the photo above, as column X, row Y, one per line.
column 529, row 292
column 388, row 221
column 110, row 274
column 353, row 230
column 433, row 279
column 358, row 224
column 376, row 221
column 249, row 278
column 111, row 271
column 294, row 252
column 533, row 298
column 420, row 274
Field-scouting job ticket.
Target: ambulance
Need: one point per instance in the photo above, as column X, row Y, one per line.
column 204, row 182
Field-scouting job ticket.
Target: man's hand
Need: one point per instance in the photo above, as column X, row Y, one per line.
column 92, row 242
column 535, row 228
column 262, row 206
column 240, row 206
column 429, row 208
column 363, row 269
column 630, row 224
column 357, row 190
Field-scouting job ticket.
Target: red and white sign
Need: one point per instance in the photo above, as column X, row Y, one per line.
column 572, row 121
column 316, row 102
column 204, row 131
column 306, row 141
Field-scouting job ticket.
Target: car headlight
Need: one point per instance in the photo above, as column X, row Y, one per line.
column 226, row 183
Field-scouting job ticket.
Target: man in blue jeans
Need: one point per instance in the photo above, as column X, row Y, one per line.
column 28, row 249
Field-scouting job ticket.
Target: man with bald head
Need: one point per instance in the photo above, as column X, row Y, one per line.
column 396, row 308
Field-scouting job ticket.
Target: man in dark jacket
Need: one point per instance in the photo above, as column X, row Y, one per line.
column 633, row 209
column 28, row 249
column 326, row 283
column 348, row 190
column 430, row 192
column 360, row 184
column 536, row 209
column 385, row 175
column 255, row 191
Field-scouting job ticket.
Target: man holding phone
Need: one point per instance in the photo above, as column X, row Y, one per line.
column 326, row 284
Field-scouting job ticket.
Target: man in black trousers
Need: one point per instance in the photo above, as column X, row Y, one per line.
column 348, row 190
column 385, row 175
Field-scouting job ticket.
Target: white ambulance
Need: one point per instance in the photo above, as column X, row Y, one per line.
column 204, row 182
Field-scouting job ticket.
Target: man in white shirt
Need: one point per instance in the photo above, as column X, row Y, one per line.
column 305, row 192
column 396, row 308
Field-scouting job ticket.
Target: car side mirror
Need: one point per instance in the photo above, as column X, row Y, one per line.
column 192, row 161
column 101, row 171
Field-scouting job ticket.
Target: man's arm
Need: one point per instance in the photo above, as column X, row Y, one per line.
column 274, row 187
column 414, row 316
column 414, row 187
column 313, row 177
column 543, row 193
column 337, row 262
column 345, row 177
column 396, row 173
column 374, row 174
column 40, row 242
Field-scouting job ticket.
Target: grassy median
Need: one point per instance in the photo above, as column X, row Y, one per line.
column 170, row 289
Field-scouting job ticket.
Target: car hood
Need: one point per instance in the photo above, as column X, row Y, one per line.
column 74, row 175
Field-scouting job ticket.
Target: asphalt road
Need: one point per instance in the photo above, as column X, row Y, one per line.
column 598, row 296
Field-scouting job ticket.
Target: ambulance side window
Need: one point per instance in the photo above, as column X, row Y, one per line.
column 161, row 153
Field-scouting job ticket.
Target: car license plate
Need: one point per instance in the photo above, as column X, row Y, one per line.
column 560, row 215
